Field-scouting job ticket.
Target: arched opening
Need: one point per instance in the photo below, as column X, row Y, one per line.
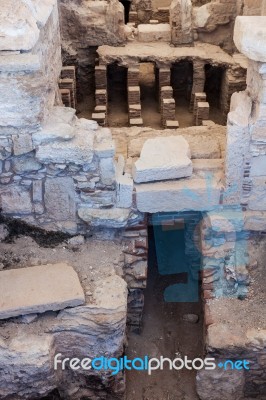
column 127, row 5
column 213, row 84
column 182, row 82
column 117, row 95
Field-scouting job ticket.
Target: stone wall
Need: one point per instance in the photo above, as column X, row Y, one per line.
column 246, row 154
column 84, row 26
column 30, row 64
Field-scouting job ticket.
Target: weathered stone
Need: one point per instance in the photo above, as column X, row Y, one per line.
column 192, row 318
column 107, row 171
column 217, row 384
column 182, row 195
column 39, row 289
column 108, row 218
column 250, row 37
column 22, row 144
column 154, row 33
column 21, row 165
column 59, row 198
column 15, row 200
column 79, row 150
column 124, row 191
column 163, row 158
column 4, row 232
column 181, row 21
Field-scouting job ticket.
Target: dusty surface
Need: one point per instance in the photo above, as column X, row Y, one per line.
column 154, row 52
column 249, row 311
column 205, row 142
column 164, row 333
column 225, row 330
column 84, row 258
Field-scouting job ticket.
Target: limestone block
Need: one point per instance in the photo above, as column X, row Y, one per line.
column 258, row 166
column 226, row 221
column 124, row 187
column 22, row 144
column 181, row 195
column 163, row 158
column 59, row 198
column 154, row 33
column 107, row 218
column 79, row 150
column 39, row 289
column 107, row 170
column 250, row 37
column 35, row 353
column 257, row 198
column 255, row 221
column 24, row 164
column 181, row 21
column 15, row 200
column 19, row 30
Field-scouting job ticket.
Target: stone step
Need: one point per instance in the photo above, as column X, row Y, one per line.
column 50, row 287
column 154, row 33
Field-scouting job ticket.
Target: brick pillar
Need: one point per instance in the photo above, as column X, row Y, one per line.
column 198, row 80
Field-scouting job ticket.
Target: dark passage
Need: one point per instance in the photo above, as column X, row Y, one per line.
column 165, row 333
column 148, row 95
column 213, row 83
column 127, row 5
column 182, row 82
column 117, row 95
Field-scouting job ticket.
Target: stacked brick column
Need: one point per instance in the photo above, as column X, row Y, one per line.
column 167, row 106
column 198, row 80
column 135, row 239
column 134, row 105
column 100, row 111
column 67, row 86
column 201, row 109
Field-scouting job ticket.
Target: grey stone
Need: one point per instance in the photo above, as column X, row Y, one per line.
column 39, row 289
column 108, row 218
column 219, row 384
column 15, row 200
column 22, row 144
column 163, row 158
column 59, row 198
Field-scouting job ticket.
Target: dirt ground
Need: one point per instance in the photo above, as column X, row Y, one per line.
column 164, row 333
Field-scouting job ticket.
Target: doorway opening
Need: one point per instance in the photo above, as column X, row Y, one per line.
column 127, row 6
column 213, row 84
column 148, row 95
column 171, row 295
column 182, row 82
column 117, row 95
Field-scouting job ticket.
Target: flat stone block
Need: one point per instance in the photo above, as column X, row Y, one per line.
column 38, row 289
column 181, row 195
column 136, row 121
column 250, row 37
column 163, row 158
column 172, row 124
column 154, row 33
column 107, row 218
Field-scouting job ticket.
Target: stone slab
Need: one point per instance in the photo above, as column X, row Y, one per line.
column 107, row 218
column 181, row 195
column 38, row 289
column 154, row 33
column 250, row 37
column 163, row 158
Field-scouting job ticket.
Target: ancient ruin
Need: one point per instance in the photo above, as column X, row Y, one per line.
column 133, row 197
